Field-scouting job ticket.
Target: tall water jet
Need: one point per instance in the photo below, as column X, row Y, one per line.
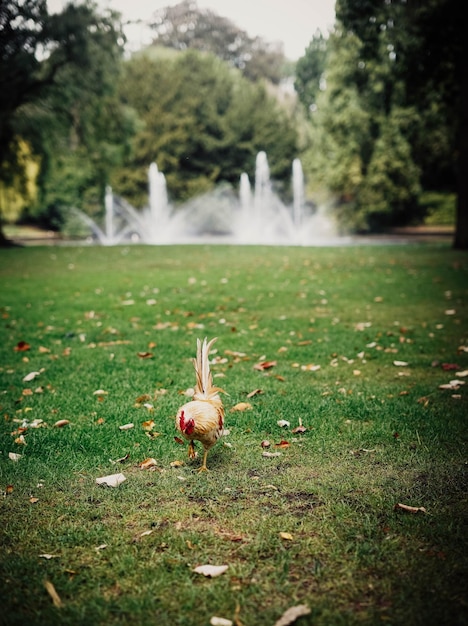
column 298, row 192
column 245, row 192
column 262, row 194
column 109, row 221
column 159, row 214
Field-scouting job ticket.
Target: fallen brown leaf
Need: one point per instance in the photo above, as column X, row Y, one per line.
column 242, row 406
column 253, row 393
column 311, row 367
column 53, row 594
column 292, row 614
column 152, row 434
column 145, row 355
column 409, row 509
column 142, row 399
column 22, row 346
column 299, row 430
column 264, row 365
column 61, row 423
column 148, row 463
column 121, row 460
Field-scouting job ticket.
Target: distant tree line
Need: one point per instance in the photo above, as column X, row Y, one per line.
column 387, row 99
column 382, row 120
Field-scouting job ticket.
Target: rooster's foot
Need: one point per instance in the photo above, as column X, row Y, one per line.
column 191, row 451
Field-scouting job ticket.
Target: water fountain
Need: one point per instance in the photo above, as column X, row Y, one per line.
column 263, row 218
column 251, row 217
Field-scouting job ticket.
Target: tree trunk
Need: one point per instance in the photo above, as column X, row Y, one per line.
column 461, row 229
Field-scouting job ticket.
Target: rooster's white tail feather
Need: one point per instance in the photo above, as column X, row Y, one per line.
column 204, row 389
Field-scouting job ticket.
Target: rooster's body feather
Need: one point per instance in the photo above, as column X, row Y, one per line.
column 202, row 419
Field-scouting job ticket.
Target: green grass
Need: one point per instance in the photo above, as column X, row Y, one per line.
column 377, row 435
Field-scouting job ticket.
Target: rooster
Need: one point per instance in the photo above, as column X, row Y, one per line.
column 202, row 419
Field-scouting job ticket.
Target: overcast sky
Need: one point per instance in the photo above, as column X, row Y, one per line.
column 293, row 22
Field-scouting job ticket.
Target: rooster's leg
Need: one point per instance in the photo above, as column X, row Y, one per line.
column 191, row 450
column 203, row 468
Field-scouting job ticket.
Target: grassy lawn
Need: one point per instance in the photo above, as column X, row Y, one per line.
column 361, row 339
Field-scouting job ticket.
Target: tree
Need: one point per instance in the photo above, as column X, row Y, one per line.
column 37, row 52
column 394, row 67
column 427, row 41
column 436, row 76
column 185, row 26
column 202, row 123
column 309, row 71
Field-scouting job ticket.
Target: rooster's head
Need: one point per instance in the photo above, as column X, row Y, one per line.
column 187, row 426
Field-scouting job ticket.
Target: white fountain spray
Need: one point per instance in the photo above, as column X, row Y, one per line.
column 109, row 206
column 245, row 193
column 159, row 214
column 298, row 192
column 262, row 196
column 266, row 220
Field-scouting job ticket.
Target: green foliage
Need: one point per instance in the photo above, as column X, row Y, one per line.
column 376, row 435
column 340, row 127
column 391, row 187
column 57, row 84
column 21, row 190
column 202, row 123
column 309, row 71
column 386, row 125
column 439, row 208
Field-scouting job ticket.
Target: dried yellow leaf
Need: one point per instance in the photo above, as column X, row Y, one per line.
column 147, row 463
column 242, row 406
column 61, row 423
